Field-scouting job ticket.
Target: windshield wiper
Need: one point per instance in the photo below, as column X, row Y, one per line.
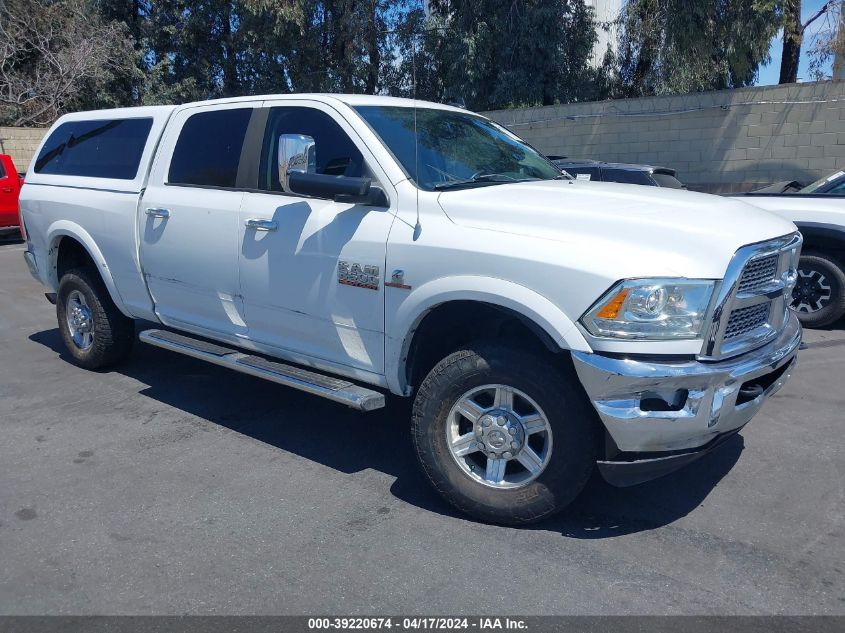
column 475, row 180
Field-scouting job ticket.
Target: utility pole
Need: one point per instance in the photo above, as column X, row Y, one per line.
column 839, row 46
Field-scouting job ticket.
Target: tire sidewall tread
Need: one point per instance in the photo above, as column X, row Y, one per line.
column 114, row 333
column 574, row 431
column 834, row 310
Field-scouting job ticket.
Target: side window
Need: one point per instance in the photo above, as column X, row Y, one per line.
column 2, row 171
column 626, row 176
column 99, row 149
column 336, row 154
column 836, row 190
column 208, row 150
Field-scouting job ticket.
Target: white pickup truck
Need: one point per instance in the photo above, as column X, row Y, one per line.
column 353, row 245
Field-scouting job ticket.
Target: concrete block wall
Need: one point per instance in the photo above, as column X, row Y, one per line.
column 20, row 143
column 723, row 141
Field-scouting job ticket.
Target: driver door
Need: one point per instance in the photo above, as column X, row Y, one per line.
column 296, row 251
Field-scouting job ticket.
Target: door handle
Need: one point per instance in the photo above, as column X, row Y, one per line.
column 7, row 190
column 262, row 225
column 155, row 212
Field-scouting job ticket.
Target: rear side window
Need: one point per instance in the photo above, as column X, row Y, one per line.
column 109, row 148
column 626, row 176
column 208, row 150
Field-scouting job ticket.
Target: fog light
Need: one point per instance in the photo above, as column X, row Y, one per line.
column 676, row 401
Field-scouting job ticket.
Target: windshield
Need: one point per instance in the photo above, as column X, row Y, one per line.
column 455, row 148
column 821, row 183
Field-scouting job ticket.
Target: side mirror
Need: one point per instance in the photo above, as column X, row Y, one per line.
column 298, row 174
column 322, row 186
column 297, row 154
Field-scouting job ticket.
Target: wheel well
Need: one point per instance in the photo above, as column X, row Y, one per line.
column 70, row 254
column 449, row 325
column 823, row 240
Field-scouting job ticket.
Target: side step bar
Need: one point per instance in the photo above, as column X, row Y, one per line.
column 336, row 389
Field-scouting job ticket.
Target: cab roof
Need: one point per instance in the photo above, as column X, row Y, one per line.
column 351, row 100
column 347, row 99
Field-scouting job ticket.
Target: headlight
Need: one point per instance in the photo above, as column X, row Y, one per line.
column 655, row 309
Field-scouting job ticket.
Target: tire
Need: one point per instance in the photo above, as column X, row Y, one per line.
column 819, row 295
column 540, row 386
column 101, row 335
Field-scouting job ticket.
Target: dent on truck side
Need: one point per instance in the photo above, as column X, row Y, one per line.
column 401, row 326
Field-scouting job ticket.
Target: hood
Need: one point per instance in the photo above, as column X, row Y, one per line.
column 666, row 231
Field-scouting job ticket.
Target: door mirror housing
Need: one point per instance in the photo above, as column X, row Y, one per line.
column 297, row 155
column 334, row 187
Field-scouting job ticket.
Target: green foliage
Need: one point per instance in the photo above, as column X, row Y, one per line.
column 490, row 54
column 58, row 56
column 482, row 53
column 677, row 46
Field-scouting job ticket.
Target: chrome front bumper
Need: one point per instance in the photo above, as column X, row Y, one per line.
column 653, row 406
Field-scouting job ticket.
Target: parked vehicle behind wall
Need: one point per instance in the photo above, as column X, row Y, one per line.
column 818, row 210
column 626, row 173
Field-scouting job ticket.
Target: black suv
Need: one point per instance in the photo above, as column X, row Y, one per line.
column 619, row 172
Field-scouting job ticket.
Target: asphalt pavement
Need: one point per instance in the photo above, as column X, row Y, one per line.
column 170, row 486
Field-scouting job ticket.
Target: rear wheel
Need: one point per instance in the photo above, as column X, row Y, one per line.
column 504, row 435
column 819, row 294
column 95, row 332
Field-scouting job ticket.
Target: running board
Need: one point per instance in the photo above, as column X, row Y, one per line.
column 336, row 389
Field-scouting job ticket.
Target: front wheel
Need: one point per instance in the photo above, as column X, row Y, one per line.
column 819, row 294
column 504, row 435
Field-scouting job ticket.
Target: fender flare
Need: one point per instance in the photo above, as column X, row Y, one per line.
column 64, row 228
column 506, row 294
column 827, row 234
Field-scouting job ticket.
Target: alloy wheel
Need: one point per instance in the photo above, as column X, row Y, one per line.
column 499, row 436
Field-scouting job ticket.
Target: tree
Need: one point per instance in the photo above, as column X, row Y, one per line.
column 329, row 45
column 490, row 54
column 483, row 53
column 675, row 46
column 824, row 46
column 56, row 57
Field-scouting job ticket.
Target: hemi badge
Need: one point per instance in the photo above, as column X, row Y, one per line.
column 397, row 280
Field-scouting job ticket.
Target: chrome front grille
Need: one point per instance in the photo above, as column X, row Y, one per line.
column 758, row 273
column 753, row 299
column 744, row 320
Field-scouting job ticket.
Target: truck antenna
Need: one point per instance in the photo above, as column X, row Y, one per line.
column 417, row 226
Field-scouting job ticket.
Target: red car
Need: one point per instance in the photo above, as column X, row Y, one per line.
column 10, row 189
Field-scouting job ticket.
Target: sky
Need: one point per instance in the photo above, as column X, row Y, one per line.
column 769, row 74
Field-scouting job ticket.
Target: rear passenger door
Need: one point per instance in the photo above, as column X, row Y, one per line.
column 188, row 220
